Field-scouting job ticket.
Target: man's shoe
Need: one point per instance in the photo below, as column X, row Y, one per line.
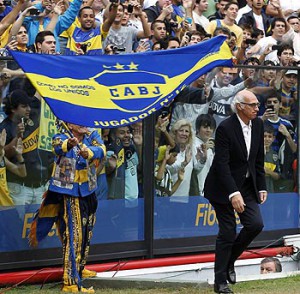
column 70, row 289
column 231, row 275
column 88, row 274
column 222, row 288
column 87, row 290
column 74, row 289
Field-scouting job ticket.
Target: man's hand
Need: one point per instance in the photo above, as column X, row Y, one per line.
column 167, row 154
column 19, row 147
column 263, row 197
column 268, row 114
column 181, row 174
column 162, row 124
column 12, row 45
column 267, row 171
column 112, row 161
column 283, row 130
column 84, row 152
column 188, row 153
column 137, row 9
column 137, row 137
column 72, row 142
column 58, row 8
column 167, row 11
column 20, row 129
column 201, row 154
column 238, row 203
column 2, row 142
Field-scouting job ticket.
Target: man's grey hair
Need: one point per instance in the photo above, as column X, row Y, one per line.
column 238, row 98
column 278, row 266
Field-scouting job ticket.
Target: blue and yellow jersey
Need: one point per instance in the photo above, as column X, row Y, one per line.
column 5, row 199
column 72, row 174
column 92, row 38
column 4, row 37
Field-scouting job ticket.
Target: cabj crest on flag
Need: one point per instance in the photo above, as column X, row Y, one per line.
column 115, row 90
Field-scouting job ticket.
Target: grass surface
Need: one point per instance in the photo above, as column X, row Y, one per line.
column 289, row 285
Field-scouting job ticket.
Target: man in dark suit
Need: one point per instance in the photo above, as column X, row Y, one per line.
column 236, row 182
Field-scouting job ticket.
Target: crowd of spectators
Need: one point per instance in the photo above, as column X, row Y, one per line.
column 258, row 33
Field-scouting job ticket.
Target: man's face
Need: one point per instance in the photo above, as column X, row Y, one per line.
column 289, row 81
column 268, row 139
column 231, row 42
column 22, row 36
column 77, row 129
column 22, row 110
column 232, row 11
column 246, row 34
column 48, row 45
column 156, row 47
column 205, row 132
column 249, row 107
column 125, row 17
column 295, row 24
column 268, row 267
column 258, row 4
column 87, row 19
column 249, row 72
column 286, row 57
column 224, row 78
column 120, row 14
column 173, row 44
column 124, row 135
column 221, row 6
column 195, row 39
column 202, row 6
column 275, row 102
column 279, row 29
column 269, row 74
column 159, row 31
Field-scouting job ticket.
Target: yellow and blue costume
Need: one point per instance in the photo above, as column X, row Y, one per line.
column 71, row 203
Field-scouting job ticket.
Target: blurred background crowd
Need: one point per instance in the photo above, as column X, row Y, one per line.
column 258, row 33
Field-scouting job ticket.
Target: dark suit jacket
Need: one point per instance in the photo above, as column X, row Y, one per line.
column 248, row 18
column 228, row 171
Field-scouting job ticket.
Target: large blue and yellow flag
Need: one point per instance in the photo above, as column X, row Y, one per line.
column 114, row 90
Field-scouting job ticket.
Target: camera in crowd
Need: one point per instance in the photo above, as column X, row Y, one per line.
column 7, row 2
column 275, row 47
column 34, row 11
column 250, row 41
column 173, row 24
column 130, row 8
column 117, row 50
column 296, row 63
column 83, row 46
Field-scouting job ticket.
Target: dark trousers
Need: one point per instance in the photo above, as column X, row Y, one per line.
column 230, row 246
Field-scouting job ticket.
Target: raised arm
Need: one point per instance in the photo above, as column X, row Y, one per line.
column 18, row 23
column 20, row 168
column 111, row 14
column 146, row 32
column 11, row 17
